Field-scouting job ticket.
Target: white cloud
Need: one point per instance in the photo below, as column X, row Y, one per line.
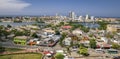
column 12, row 5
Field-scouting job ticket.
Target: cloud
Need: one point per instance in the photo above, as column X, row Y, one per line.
column 12, row 5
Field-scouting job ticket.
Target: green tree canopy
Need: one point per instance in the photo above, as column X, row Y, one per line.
column 103, row 25
column 19, row 33
column 61, row 23
column 115, row 46
column 83, row 51
column 57, row 32
column 92, row 43
column 62, row 38
column 59, row 56
column 85, row 29
column 34, row 35
column 9, row 26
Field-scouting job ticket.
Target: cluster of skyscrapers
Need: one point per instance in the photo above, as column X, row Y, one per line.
column 73, row 16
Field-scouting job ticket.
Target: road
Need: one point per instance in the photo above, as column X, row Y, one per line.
column 10, row 44
column 93, row 54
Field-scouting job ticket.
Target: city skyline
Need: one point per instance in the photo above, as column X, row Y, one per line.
column 51, row 7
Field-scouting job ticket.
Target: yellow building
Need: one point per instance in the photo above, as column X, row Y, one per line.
column 113, row 27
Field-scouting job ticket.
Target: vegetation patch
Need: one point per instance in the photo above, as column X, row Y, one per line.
column 22, row 56
column 13, row 49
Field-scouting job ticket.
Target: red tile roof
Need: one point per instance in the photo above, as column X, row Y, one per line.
column 46, row 52
column 66, row 27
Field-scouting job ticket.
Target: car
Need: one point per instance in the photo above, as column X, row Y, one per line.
column 74, row 49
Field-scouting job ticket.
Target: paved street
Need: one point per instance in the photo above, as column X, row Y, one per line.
column 10, row 44
column 93, row 54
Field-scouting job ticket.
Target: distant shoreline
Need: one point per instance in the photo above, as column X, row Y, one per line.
column 51, row 15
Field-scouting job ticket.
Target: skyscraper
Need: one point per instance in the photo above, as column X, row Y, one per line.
column 92, row 18
column 72, row 15
column 80, row 18
column 87, row 17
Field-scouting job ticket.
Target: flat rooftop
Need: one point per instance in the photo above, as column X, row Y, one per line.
column 21, row 37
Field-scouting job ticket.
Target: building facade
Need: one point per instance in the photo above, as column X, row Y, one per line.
column 21, row 40
column 113, row 28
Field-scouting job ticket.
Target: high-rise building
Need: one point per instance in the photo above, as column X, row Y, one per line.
column 80, row 18
column 72, row 15
column 87, row 17
column 92, row 18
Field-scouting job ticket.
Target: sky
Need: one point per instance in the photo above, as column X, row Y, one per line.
column 108, row 8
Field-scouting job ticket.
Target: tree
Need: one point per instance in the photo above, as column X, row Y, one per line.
column 91, row 35
column 57, row 32
column 54, row 27
column 59, row 56
column 62, row 38
column 103, row 25
column 115, row 46
column 83, row 51
column 109, row 35
column 9, row 26
column 85, row 29
column 2, row 26
column 93, row 43
column 61, row 23
column 75, row 26
column 19, row 33
column 78, row 52
column 68, row 50
column 27, row 33
column 17, row 21
column 34, row 35
column 49, row 25
column 5, row 33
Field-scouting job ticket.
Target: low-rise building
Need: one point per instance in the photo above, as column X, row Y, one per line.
column 102, row 44
column 66, row 27
column 22, row 40
column 48, row 31
column 113, row 28
column 104, row 39
column 85, row 41
column 67, row 41
column 77, row 32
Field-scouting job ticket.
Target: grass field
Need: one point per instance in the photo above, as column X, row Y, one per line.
column 22, row 56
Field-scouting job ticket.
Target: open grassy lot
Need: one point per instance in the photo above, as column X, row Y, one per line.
column 22, row 56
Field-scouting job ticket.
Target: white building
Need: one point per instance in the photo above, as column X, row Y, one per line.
column 72, row 15
column 77, row 32
column 92, row 18
column 104, row 39
column 80, row 18
column 67, row 41
column 87, row 17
